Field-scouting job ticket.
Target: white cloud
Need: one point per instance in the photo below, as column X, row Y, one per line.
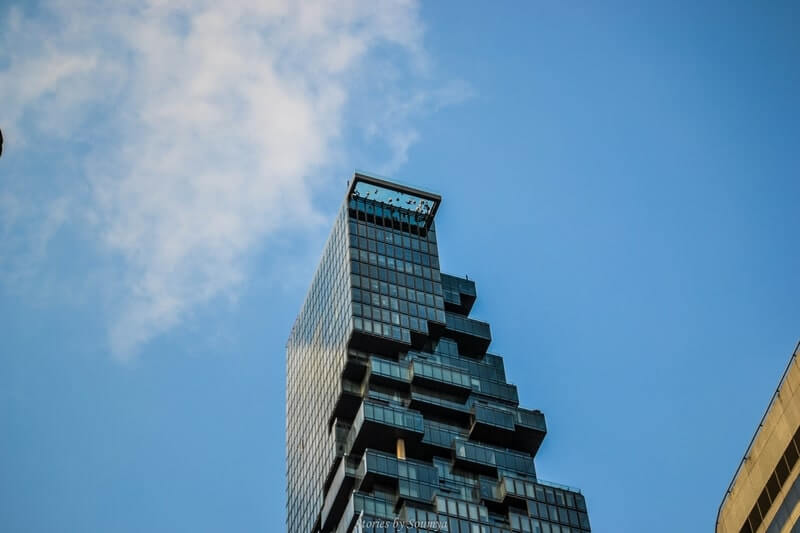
column 206, row 122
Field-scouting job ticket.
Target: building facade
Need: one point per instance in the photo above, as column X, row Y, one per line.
column 764, row 494
column 398, row 419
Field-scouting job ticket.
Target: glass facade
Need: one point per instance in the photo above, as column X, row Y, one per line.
column 397, row 417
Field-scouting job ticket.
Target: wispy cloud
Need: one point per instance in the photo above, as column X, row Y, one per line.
column 204, row 126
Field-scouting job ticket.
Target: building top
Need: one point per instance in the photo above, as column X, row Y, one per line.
column 753, row 496
column 404, row 203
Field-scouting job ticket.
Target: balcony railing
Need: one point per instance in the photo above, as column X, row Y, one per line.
column 378, row 426
column 414, row 480
column 490, row 458
column 441, row 436
column 497, row 389
column 452, row 378
column 530, row 419
column 389, row 370
column 336, row 496
column 498, row 418
column 472, row 336
column 469, row 326
column 450, row 407
column 459, row 293
column 370, row 507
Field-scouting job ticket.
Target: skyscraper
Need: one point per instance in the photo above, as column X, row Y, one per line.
column 764, row 496
column 398, row 419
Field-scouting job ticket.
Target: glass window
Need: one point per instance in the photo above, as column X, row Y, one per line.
column 542, row 510
column 580, row 503
column 552, row 511
column 473, row 511
column 452, row 508
column 573, row 518
column 529, row 493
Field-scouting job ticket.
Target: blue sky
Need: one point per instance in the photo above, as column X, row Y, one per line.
column 621, row 181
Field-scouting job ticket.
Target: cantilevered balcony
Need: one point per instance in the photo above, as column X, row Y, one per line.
column 348, row 400
column 472, row 336
column 389, row 372
column 378, row 426
column 413, row 480
column 351, row 386
column 459, row 294
column 368, row 341
column 458, row 412
column 338, row 493
column 498, row 390
column 442, row 436
column 530, row 430
column 489, row 491
column 515, row 490
column 370, row 507
column 490, row 367
column 492, row 425
column 516, row 428
column 487, row 459
column 440, row 377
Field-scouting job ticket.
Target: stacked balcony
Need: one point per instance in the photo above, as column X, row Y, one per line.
column 456, row 411
column 516, row 428
column 378, row 425
column 442, row 436
column 445, row 398
column 441, row 377
column 412, row 480
column 529, row 430
column 487, row 459
column 422, row 424
column 459, row 294
column 473, row 336
column 338, row 493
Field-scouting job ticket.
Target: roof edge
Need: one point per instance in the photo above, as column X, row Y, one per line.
column 792, row 359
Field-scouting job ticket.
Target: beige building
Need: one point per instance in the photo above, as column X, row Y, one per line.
column 764, row 494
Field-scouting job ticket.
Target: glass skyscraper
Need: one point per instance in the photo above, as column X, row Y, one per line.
column 397, row 418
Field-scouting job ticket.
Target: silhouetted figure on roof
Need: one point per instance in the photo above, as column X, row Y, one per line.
column 1, row 142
